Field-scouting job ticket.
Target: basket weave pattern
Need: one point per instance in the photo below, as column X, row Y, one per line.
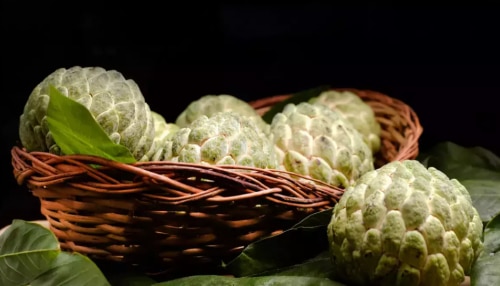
column 166, row 212
column 180, row 214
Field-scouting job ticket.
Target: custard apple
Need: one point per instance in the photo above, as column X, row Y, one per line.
column 225, row 138
column 163, row 129
column 316, row 141
column 211, row 104
column 354, row 110
column 404, row 224
column 162, row 145
column 116, row 103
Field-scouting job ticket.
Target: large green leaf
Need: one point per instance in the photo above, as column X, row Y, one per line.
column 486, row 270
column 30, row 254
column 477, row 168
column 75, row 130
column 462, row 163
column 485, row 196
column 320, row 267
column 72, row 269
column 218, row 280
column 297, row 97
column 122, row 275
column 26, row 251
column 127, row 279
column 300, row 242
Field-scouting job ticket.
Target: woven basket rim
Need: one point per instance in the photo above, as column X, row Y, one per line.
column 58, row 169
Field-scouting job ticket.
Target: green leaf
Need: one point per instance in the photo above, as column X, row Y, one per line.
column 121, row 275
column 26, row 251
column 30, row 254
column 302, row 241
column 298, row 97
column 477, row 168
column 320, row 267
column 215, row 280
column 486, row 270
column 75, row 130
column 462, row 163
column 485, row 196
column 72, row 269
column 127, row 279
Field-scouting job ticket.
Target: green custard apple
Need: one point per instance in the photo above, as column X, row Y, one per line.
column 162, row 143
column 227, row 138
column 116, row 103
column 356, row 111
column 404, row 224
column 318, row 142
column 211, row 104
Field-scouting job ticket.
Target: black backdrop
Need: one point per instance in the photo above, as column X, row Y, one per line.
column 441, row 61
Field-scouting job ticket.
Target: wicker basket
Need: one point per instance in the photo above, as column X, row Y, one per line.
column 167, row 215
column 163, row 215
column 400, row 125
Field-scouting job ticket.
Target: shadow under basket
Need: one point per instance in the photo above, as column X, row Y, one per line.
column 164, row 216
column 399, row 124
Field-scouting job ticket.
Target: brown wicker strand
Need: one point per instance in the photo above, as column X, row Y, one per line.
column 244, row 196
column 127, row 188
column 211, row 172
column 187, row 198
column 320, row 205
column 71, row 166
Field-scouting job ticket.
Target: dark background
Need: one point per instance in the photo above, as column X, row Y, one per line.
column 443, row 62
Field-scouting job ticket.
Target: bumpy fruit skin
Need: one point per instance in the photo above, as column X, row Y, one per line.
column 225, row 138
column 404, row 224
column 354, row 110
column 116, row 103
column 210, row 104
column 163, row 129
column 316, row 141
column 162, row 144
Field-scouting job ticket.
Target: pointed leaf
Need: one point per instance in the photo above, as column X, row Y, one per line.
column 71, row 269
column 26, row 251
column 298, row 97
column 486, row 270
column 214, row 280
column 302, row 241
column 75, row 130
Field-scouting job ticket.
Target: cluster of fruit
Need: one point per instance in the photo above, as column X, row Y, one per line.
column 332, row 137
column 400, row 224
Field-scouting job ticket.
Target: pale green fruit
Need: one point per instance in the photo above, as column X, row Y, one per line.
column 404, row 224
column 161, row 149
column 116, row 103
column 356, row 111
column 210, row 104
column 163, row 129
column 316, row 141
column 225, row 138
